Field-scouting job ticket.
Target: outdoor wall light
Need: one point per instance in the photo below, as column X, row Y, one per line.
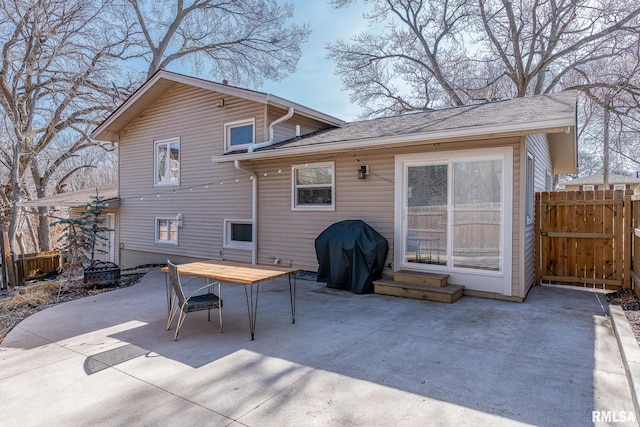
column 363, row 171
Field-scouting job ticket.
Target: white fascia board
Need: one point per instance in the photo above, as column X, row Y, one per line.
column 409, row 139
column 306, row 111
column 247, row 94
column 139, row 93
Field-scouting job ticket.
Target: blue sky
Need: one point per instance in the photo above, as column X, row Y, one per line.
column 314, row 84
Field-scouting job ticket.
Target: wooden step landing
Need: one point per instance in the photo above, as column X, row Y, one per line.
column 446, row 293
column 420, row 278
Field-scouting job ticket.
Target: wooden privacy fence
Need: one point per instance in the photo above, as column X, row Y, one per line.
column 16, row 269
column 583, row 238
column 36, row 266
column 635, row 245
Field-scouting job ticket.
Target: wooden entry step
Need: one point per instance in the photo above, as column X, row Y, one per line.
column 447, row 293
column 419, row 278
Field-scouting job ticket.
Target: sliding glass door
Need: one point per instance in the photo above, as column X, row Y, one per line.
column 453, row 211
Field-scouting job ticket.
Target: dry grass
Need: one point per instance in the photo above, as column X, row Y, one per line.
column 40, row 293
column 32, row 296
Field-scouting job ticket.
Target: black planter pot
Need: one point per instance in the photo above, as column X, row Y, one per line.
column 100, row 273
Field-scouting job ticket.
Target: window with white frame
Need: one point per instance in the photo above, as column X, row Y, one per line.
column 619, row 187
column 239, row 135
column 588, row 187
column 167, row 231
column 167, row 162
column 238, row 234
column 313, row 186
column 530, row 187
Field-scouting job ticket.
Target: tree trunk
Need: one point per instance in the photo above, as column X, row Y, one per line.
column 44, row 235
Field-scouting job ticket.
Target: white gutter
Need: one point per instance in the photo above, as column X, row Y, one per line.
column 254, row 211
column 555, row 126
column 269, row 142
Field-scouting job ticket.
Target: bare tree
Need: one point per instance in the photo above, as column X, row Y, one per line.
column 454, row 52
column 57, row 63
column 245, row 41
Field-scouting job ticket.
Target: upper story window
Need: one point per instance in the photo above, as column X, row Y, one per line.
column 239, row 135
column 167, row 162
column 313, row 186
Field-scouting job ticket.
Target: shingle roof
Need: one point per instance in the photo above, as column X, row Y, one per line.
column 77, row 198
column 523, row 111
column 598, row 179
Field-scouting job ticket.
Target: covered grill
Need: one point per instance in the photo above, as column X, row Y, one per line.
column 351, row 255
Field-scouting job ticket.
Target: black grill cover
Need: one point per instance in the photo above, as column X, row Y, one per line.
column 351, row 256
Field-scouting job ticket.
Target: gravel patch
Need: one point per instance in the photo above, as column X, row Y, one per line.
column 630, row 303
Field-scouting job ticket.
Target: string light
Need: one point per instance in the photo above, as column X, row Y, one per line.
column 236, row 179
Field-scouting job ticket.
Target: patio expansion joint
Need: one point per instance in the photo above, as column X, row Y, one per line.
column 157, row 387
column 313, row 370
column 519, row 354
column 73, row 353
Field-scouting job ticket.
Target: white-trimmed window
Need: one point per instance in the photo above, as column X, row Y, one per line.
column 167, row 162
column 530, row 187
column 588, row 187
column 239, row 135
column 619, row 187
column 167, row 231
column 238, row 234
column 313, row 186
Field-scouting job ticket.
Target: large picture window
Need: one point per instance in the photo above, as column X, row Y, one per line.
column 167, row 162
column 239, row 135
column 313, row 186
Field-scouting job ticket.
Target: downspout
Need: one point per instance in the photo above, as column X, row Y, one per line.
column 254, row 210
column 254, row 183
column 269, row 142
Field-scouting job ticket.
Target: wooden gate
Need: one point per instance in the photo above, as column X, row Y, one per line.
column 581, row 238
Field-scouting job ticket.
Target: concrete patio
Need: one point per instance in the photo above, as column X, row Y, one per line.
column 348, row 360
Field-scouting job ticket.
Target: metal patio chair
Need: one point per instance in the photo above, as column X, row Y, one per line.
column 183, row 305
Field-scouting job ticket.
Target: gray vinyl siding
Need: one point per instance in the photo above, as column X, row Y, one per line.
column 290, row 235
column 190, row 114
column 287, row 129
column 517, row 288
column 537, row 145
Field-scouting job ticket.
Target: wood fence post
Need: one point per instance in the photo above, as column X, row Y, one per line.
column 628, row 233
column 537, row 237
column 8, row 268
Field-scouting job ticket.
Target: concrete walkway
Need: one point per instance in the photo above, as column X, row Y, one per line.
column 348, row 360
